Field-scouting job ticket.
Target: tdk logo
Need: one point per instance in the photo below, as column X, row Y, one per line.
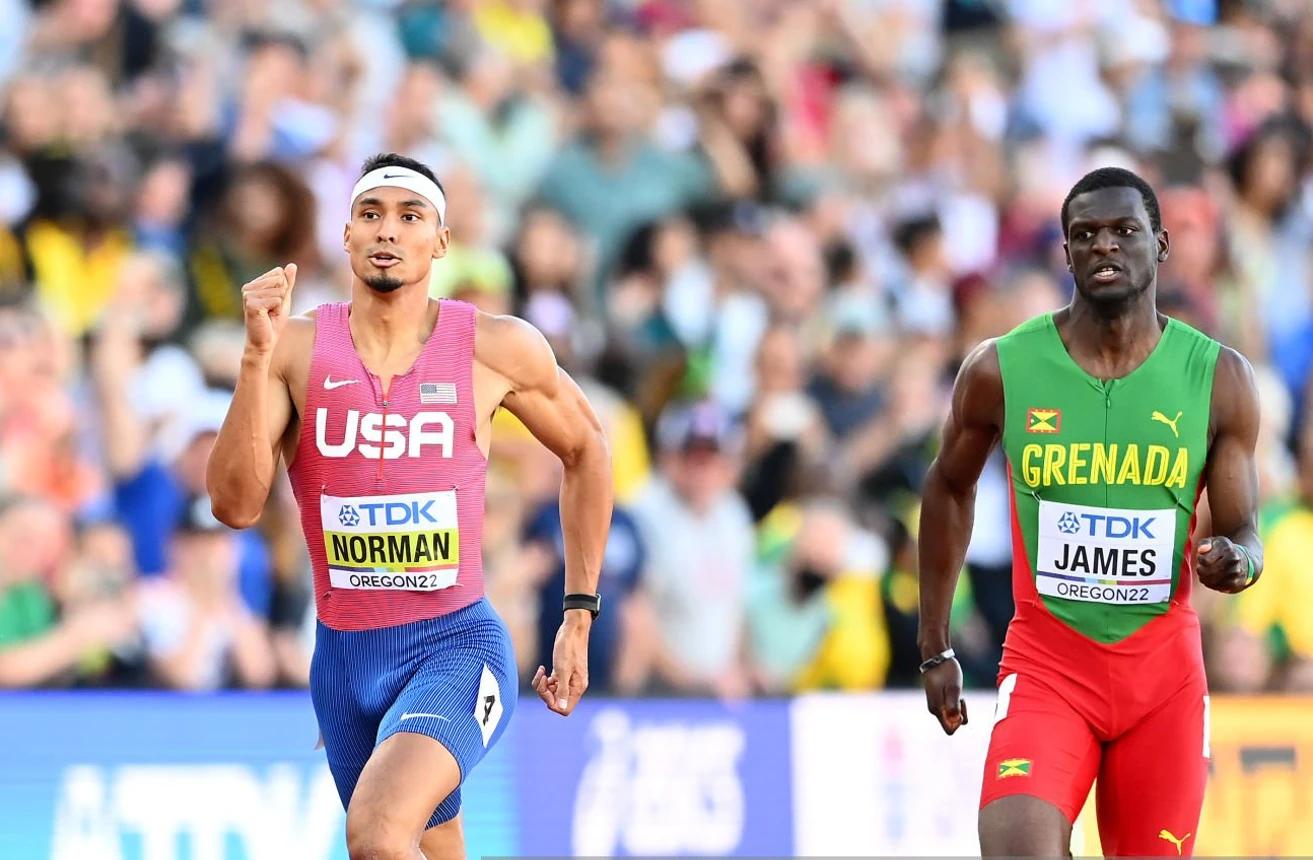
column 390, row 514
column 1106, row 526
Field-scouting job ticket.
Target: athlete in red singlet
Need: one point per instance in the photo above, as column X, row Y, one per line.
column 382, row 409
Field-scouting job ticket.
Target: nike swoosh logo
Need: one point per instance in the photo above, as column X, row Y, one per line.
column 417, row 716
column 395, row 176
column 329, row 384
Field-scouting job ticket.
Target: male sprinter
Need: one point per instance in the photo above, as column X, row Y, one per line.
column 1113, row 419
column 381, row 407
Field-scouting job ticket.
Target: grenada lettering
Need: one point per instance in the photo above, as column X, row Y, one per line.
column 1079, row 463
column 401, row 438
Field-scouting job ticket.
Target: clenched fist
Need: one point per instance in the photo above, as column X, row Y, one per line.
column 1222, row 565
column 266, row 304
column 943, row 695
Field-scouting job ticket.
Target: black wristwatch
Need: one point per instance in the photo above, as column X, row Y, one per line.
column 591, row 602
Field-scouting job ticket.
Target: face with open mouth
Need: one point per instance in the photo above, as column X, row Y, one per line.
column 393, row 238
column 1111, row 245
column 384, row 259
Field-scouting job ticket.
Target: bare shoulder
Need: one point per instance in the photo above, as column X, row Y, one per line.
column 1235, row 405
column 978, row 390
column 981, row 366
column 1233, row 373
column 514, row 349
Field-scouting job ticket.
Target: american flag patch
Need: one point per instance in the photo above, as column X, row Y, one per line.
column 437, row 393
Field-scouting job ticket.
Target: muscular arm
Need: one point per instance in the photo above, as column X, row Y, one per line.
column 949, row 499
column 245, row 456
column 552, row 407
column 554, row 410
column 1231, row 478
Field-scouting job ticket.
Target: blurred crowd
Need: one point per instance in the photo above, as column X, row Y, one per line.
column 762, row 234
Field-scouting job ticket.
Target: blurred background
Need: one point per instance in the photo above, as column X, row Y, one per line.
column 762, row 234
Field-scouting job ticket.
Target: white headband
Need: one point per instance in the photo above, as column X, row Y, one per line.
column 403, row 177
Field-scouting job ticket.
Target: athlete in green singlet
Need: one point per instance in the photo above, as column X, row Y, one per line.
column 1114, row 419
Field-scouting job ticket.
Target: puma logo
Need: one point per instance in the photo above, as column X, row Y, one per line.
column 1170, row 422
column 1167, row 834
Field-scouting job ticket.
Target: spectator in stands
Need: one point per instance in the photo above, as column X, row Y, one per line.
column 39, row 644
column 79, row 240
column 155, row 469
column 265, row 218
column 611, row 180
column 199, row 633
column 785, row 430
column 815, row 611
column 474, row 264
column 698, row 535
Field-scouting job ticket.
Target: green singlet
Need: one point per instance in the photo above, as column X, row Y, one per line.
column 1105, row 474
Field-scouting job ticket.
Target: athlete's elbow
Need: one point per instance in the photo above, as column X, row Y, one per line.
column 231, row 501
column 231, row 512
column 944, row 486
column 589, row 453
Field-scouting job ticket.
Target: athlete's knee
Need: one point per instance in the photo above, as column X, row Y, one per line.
column 1024, row 826
column 374, row 837
column 444, row 842
column 377, row 846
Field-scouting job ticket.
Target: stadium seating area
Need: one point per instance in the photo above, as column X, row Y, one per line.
column 761, row 234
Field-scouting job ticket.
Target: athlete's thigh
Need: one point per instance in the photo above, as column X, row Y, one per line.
column 1023, row 826
column 408, row 776
column 1041, row 747
column 1151, row 784
column 462, row 696
column 349, row 734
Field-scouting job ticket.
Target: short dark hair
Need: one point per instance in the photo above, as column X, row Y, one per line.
column 392, row 159
column 256, row 41
column 1115, row 177
column 909, row 233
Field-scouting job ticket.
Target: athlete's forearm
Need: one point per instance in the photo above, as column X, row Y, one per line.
column 242, row 464
column 947, row 514
column 586, row 501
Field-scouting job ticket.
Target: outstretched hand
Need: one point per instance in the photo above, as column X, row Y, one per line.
column 562, row 689
column 943, row 695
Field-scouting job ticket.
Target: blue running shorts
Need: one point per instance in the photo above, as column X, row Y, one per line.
column 452, row 678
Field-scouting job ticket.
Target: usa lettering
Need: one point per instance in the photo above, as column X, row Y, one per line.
column 387, row 436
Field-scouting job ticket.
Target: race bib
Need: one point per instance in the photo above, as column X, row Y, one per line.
column 1105, row 555
column 405, row 542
